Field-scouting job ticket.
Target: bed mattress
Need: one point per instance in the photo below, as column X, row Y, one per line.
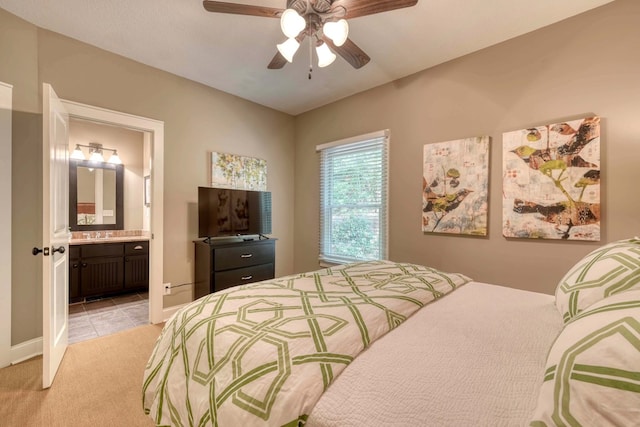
column 477, row 357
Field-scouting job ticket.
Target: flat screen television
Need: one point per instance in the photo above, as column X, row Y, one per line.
column 230, row 212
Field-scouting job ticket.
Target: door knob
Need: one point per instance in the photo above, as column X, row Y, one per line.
column 59, row 249
column 36, row 251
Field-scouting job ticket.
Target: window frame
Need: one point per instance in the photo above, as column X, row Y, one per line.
column 379, row 139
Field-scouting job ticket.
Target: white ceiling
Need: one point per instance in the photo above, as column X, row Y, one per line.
column 231, row 52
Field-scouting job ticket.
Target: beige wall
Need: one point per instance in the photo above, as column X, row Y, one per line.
column 197, row 120
column 19, row 67
column 585, row 65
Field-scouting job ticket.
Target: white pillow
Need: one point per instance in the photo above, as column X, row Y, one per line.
column 606, row 271
column 592, row 375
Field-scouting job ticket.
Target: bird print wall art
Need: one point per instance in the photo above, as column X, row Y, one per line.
column 551, row 181
column 455, row 186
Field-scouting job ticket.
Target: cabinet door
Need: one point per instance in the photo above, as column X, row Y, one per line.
column 74, row 281
column 74, row 274
column 136, row 271
column 101, row 275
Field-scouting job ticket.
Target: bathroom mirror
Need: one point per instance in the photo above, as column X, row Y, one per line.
column 95, row 196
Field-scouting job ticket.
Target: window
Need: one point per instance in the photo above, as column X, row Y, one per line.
column 353, row 198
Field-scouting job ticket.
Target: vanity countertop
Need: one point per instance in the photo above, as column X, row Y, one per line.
column 111, row 239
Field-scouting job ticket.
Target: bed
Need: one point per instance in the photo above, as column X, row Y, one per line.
column 398, row 344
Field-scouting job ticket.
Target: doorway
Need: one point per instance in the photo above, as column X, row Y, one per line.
column 107, row 206
column 153, row 131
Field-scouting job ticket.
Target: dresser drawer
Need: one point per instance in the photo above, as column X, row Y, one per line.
column 240, row 276
column 101, row 250
column 245, row 256
column 136, row 248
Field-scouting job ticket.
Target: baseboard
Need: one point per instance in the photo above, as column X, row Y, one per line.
column 32, row 348
column 168, row 312
column 26, row 350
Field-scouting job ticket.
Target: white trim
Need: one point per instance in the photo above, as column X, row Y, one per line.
column 6, row 103
column 26, row 350
column 168, row 312
column 32, row 348
column 156, row 248
column 358, row 138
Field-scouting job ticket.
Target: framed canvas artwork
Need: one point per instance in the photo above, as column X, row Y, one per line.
column 455, row 186
column 240, row 172
column 551, row 181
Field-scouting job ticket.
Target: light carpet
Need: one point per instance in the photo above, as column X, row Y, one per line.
column 99, row 383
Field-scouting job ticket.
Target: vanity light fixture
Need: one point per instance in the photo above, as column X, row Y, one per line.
column 95, row 153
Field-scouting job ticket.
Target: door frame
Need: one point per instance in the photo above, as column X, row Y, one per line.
column 155, row 129
column 6, row 103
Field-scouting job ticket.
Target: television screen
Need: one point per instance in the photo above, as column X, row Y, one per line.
column 230, row 212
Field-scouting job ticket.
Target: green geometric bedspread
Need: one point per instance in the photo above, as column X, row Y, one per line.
column 262, row 354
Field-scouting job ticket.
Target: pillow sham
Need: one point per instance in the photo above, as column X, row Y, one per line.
column 608, row 270
column 592, row 373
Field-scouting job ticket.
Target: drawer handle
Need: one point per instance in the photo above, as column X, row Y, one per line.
column 246, row 255
column 246, row 277
column 138, row 248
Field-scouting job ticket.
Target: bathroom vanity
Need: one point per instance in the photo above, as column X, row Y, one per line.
column 107, row 266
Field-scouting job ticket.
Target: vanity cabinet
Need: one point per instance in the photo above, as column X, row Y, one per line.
column 102, row 269
column 223, row 265
column 74, row 273
column 136, row 265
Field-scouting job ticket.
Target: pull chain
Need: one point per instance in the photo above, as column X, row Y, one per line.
column 310, row 58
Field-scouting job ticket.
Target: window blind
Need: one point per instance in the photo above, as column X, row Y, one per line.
column 353, row 199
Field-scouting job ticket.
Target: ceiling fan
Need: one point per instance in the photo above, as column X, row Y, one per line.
column 322, row 21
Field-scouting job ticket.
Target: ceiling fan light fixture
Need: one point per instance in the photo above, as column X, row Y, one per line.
column 325, row 56
column 292, row 23
column 288, row 48
column 337, row 31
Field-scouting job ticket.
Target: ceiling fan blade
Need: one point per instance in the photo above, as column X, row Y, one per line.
column 277, row 62
column 241, row 9
column 356, row 8
column 350, row 52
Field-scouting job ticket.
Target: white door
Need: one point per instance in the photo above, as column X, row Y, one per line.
column 55, row 233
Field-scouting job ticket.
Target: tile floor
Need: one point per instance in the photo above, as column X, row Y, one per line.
column 108, row 315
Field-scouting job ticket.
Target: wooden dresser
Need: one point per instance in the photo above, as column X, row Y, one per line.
column 220, row 265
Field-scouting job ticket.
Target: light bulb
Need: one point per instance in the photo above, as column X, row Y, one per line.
column 288, row 49
column 96, row 156
column 336, row 31
column 115, row 159
column 77, row 154
column 325, row 56
column 292, row 23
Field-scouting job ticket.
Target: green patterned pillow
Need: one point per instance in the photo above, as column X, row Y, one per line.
column 608, row 270
column 593, row 368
